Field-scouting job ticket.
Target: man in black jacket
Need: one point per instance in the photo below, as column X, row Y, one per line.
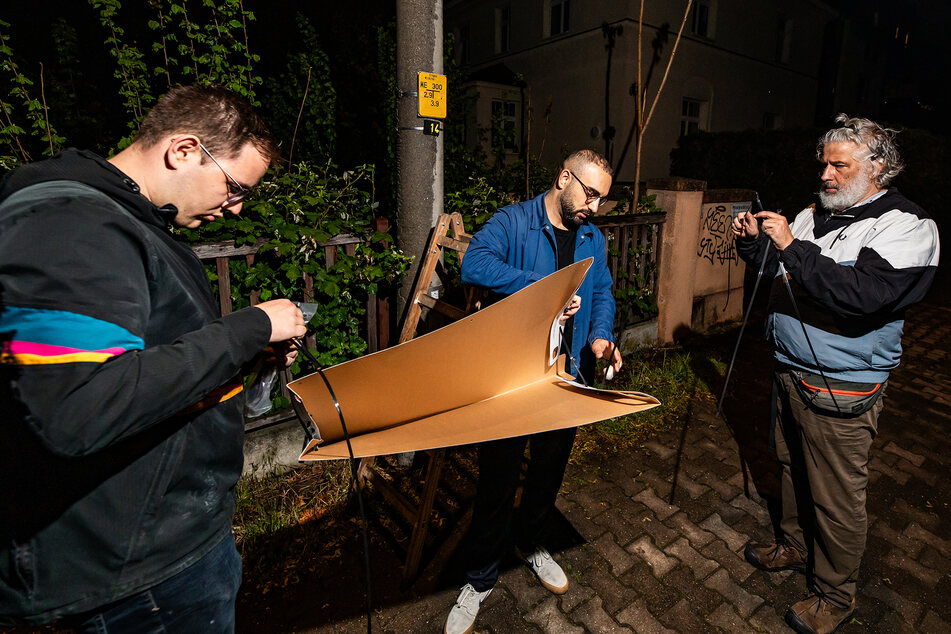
column 844, row 272
column 122, row 435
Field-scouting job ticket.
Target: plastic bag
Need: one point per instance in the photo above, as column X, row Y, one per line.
column 258, row 393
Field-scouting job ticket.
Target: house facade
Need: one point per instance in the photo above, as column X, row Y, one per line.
column 549, row 76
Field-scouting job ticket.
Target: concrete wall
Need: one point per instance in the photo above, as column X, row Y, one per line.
column 701, row 277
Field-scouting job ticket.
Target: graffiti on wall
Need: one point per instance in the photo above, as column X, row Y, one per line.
column 716, row 240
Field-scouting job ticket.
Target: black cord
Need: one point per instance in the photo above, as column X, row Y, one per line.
column 746, row 316
column 353, row 472
column 802, row 325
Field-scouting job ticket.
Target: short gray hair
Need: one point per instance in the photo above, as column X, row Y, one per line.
column 879, row 142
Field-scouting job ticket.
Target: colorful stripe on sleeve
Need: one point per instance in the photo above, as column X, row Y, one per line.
column 42, row 336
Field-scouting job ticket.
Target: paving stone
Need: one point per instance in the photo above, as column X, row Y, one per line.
column 898, row 559
column 752, row 508
column 743, row 601
column 619, row 559
column 578, row 591
column 595, row 619
column 726, row 618
column 693, row 489
column 547, row 616
column 682, row 618
column 725, row 490
column 766, row 619
column 697, row 536
column 610, row 590
column 623, row 527
column 915, row 531
column 932, row 624
column 915, row 459
column 579, row 518
column 659, row 563
column 499, row 613
column 660, row 484
column 663, row 451
column 659, row 532
column 933, row 559
column 908, row 609
column 926, row 476
column 697, row 563
column 910, row 545
column 660, row 507
column 641, row 620
column 591, row 498
column 734, row 563
column 656, row 592
column 877, row 466
column 735, row 541
column 926, row 518
column 524, row 586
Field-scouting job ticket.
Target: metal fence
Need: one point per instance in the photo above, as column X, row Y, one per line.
column 633, row 243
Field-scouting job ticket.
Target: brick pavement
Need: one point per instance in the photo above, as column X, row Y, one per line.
column 663, row 551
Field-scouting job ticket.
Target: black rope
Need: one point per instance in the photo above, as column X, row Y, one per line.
column 353, row 472
column 746, row 316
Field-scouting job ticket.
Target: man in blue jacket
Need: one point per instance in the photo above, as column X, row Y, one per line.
column 853, row 264
column 521, row 244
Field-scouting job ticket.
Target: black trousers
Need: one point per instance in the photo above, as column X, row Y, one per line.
column 496, row 524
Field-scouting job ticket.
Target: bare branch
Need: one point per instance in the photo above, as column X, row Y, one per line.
column 46, row 112
column 670, row 62
column 290, row 156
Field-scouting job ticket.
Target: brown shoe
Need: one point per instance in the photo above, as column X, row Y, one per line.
column 774, row 557
column 815, row 615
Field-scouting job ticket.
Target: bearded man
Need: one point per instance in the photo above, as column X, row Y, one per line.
column 521, row 244
column 853, row 264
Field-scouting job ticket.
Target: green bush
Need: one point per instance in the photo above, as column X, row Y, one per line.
column 295, row 212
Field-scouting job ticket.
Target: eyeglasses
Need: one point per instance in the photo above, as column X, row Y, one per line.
column 592, row 195
column 236, row 191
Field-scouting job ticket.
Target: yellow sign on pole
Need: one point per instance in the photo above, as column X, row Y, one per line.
column 432, row 95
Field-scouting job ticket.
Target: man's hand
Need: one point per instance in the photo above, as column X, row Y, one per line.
column 570, row 309
column 776, row 229
column 602, row 347
column 287, row 321
column 745, row 225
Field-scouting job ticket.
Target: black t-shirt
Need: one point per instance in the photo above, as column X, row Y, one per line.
column 565, row 250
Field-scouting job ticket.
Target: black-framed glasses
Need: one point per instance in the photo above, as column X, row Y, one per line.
column 591, row 195
column 236, row 191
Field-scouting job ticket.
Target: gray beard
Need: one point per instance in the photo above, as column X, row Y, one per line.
column 845, row 196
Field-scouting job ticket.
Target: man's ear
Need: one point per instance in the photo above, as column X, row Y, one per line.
column 563, row 178
column 182, row 150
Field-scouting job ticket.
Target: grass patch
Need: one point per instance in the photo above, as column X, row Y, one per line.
column 669, row 375
column 269, row 504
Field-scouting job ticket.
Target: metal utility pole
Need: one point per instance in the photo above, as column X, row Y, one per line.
column 419, row 147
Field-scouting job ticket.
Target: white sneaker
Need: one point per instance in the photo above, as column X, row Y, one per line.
column 463, row 613
column 548, row 571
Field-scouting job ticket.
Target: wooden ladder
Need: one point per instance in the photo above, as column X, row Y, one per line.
column 370, row 472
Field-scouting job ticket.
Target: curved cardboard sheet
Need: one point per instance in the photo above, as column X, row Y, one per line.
column 484, row 377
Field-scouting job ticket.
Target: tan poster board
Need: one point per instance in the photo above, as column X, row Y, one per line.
column 493, row 374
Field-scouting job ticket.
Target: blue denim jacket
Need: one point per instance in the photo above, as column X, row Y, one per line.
column 517, row 247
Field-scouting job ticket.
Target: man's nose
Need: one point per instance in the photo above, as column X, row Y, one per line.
column 828, row 173
column 235, row 208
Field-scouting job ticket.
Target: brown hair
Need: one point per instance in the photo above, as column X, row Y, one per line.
column 221, row 119
column 584, row 157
